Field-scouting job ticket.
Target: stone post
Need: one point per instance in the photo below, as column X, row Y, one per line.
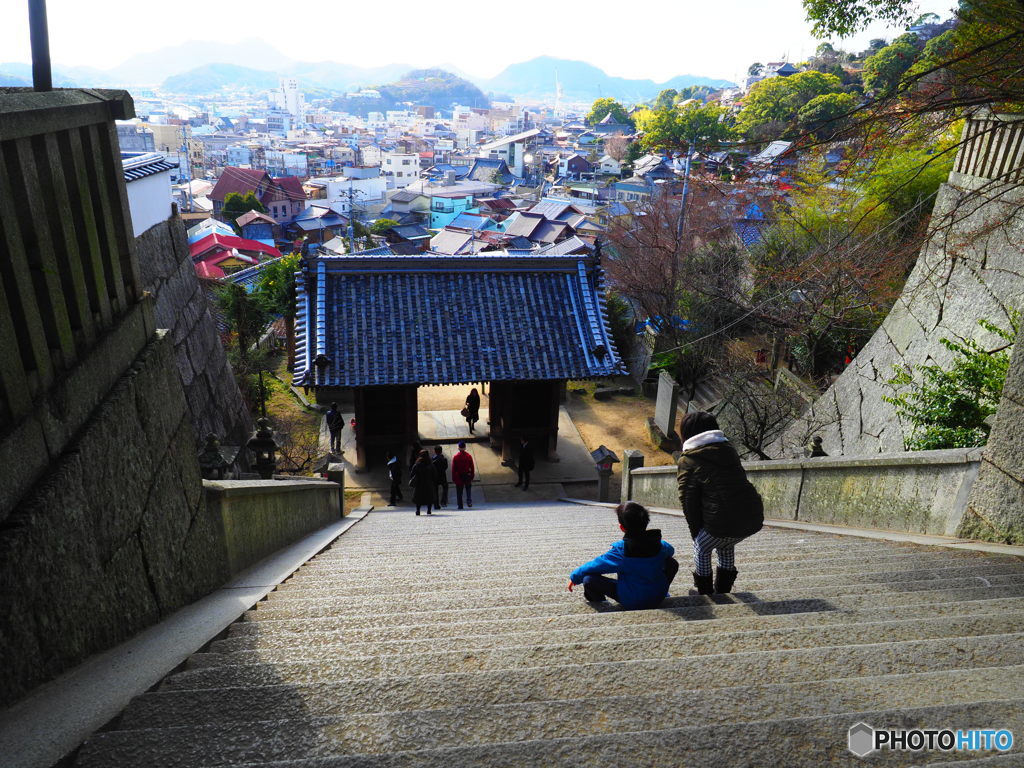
column 336, row 474
column 632, row 459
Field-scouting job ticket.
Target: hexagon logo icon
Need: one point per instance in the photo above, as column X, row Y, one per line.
column 861, row 739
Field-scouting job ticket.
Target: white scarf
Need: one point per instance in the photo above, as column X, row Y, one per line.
column 705, row 438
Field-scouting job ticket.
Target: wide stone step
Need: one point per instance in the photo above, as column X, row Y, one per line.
column 799, row 742
column 316, row 578
column 869, row 573
column 452, row 637
column 277, row 737
column 517, row 599
column 618, row 677
column 510, row 559
column 692, row 607
column 594, row 651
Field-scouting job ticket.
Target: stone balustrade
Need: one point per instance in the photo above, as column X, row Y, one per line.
column 914, row 492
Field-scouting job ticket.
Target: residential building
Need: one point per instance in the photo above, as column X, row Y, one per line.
column 608, row 165
column 147, row 176
column 283, row 197
column 511, row 149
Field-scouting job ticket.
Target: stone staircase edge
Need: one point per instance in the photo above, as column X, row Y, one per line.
column 52, row 721
column 843, row 530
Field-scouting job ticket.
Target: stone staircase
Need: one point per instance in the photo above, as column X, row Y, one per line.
column 451, row 640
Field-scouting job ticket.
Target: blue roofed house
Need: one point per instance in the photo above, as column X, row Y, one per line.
column 635, row 189
column 368, row 324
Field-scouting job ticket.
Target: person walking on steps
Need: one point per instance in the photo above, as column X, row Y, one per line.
column 421, row 478
column 440, row 464
column 395, row 475
column 721, row 505
column 335, row 423
column 463, row 472
column 525, row 463
column 472, row 409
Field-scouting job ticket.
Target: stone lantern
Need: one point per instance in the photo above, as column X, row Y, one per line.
column 603, row 459
column 264, row 448
column 212, row 463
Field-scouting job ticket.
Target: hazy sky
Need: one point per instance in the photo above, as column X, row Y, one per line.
column 655, row 39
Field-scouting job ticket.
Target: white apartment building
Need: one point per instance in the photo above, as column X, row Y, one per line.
column 401, row 169
column 289, row 98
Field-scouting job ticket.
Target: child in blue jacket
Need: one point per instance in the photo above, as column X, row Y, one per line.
column 642, row 561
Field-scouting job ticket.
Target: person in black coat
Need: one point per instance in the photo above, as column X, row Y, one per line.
column 472, row 408
column 721, row 506
column 395, row 476
column 525, row 463
column 440, row 464
column 421, row 478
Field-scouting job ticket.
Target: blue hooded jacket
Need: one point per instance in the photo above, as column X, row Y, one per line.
column 639, row 562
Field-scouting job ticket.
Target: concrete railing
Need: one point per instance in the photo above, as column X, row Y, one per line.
column 918, row 492
column 259, row 517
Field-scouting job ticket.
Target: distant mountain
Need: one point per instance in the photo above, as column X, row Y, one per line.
column 211, row 78
column 432, row 87
column 343, row 77
column 156, row 66
column 16, row 73
column 581, row 81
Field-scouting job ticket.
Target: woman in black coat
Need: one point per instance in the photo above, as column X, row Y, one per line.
column 421, row 478
column 472, row 408
column 720, row 504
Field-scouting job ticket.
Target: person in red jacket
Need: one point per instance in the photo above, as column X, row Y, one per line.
column 463, row 472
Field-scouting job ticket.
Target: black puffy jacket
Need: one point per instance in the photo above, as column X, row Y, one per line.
column 715, row 493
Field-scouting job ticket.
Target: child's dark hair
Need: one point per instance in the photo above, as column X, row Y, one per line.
column 633, row 517
column 694, row 423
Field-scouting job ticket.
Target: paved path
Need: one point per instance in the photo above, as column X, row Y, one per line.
column 451, row 641
column 495, row 481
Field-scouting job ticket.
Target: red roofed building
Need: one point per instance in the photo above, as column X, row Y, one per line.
column 218, row 255
column 283, row 198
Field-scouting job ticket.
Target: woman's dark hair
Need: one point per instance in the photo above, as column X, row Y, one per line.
column 633, row 517
column 694, row 423
column 423, row 456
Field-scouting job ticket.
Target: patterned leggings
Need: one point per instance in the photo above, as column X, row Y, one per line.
column 702, row 546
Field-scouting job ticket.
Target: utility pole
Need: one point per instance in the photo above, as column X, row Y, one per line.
column 686, row 192
column 39, row 36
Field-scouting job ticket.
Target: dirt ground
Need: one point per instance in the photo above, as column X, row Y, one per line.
column 618, row 423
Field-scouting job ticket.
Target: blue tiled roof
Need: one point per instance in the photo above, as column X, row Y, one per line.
column 435, row 319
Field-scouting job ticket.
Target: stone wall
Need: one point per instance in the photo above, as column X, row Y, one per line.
column 995, row 511
column 122, row 530
column 971, row 267
column 114, row 535
column 916, row 492
column 166, row 271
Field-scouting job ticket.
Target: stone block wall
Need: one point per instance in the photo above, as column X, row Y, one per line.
column 995, row 511
column 116, row 533
column 918, row 492
column 166, row 271
column 971, row 267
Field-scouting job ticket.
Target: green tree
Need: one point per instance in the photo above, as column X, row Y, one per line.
column 884, row 71
column 602, row 107
column 780, row 99
column 676, row 127
column 949, row 407
column 235, row 205
column 843, row 18
column 380, row 226
column 247, row 314
column 827, row 115
column 276, row 288
column 755, row 69
column 633, row 153
column 666, row 98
